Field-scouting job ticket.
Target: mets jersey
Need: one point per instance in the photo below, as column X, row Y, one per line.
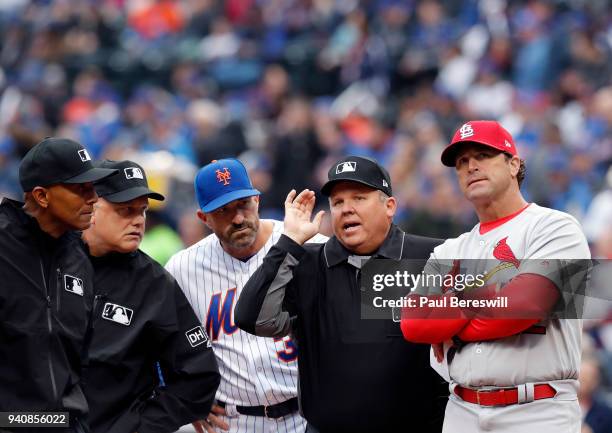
column 254, row 370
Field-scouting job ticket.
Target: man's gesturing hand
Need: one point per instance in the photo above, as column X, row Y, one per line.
column 298, row 211
column 213, row 420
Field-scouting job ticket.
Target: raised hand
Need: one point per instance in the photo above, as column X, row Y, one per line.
column 298, row 212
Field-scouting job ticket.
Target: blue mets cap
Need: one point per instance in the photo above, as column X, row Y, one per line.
column 221, row 182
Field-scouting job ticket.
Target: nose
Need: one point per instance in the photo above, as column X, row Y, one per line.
column 139, row 220
column 347, row 207
column 238, row 218
column 90, row 194
column 472, row 165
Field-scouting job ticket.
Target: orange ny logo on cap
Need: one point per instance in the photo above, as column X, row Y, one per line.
column 223, row 176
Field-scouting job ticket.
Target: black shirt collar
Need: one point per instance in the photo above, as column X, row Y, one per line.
column 112, row 258
column 30, row 224
column 392, row 248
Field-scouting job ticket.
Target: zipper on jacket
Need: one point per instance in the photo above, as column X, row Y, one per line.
column 90, row 326
column 58, row 290
column 50, row 328
column 97, row 299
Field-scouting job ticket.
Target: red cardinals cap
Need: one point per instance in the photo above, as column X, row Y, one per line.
column 487, row 132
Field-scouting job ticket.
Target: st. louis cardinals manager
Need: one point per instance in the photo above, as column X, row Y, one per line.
column 519, row 373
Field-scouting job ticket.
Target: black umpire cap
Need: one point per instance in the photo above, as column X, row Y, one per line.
column 361, row 170
column 129, row 183
column 58, row 160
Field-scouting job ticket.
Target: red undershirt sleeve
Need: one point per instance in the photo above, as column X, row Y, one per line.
column 530, row 298
column 429, row 324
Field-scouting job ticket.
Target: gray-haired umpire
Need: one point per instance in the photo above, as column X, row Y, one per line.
column 140, row 316
column 46, row 283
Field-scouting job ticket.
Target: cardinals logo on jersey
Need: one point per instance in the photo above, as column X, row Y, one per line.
column 449, row 282
column 504, row 253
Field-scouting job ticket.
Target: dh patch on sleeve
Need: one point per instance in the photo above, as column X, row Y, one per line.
column 197, row 336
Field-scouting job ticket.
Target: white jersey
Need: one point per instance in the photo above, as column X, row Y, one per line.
column 254, row 370
column 527, row 243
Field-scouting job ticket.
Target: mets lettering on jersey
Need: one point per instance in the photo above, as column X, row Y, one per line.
column 220, row 314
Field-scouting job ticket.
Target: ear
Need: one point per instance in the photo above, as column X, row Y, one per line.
column 41, row 196
column 391, row 207
column 202, row 217
column 515, row 165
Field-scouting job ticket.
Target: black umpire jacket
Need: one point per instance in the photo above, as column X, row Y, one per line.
column 141, row 316
column 356, row 375
column 46, row 292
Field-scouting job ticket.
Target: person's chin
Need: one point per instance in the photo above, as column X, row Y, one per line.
column 478, row 194
column 129, row 246
column 81, row 225
column 351, row 241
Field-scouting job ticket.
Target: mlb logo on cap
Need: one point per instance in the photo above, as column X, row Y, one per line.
column 133, row 173
column 346, row 167
column 84, row 155
column 221, row 182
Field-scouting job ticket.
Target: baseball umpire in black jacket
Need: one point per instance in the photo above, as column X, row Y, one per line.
column 140, row 316
column 356, row 375
column 46, row 287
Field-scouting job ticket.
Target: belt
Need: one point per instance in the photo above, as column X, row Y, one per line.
column 504, row 396
column 278, row 410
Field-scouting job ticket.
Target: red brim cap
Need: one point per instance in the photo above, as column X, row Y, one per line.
column 486, row 132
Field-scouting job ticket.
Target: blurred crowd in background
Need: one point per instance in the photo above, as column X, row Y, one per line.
column 289, row 86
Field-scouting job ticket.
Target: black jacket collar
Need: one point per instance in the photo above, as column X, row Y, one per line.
column 30, row 227
column 392, row 248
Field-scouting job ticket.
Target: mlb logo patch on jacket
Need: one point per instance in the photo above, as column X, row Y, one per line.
column 117, row 313
column 73, row 285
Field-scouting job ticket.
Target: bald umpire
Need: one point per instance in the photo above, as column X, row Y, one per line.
column 46, row 291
